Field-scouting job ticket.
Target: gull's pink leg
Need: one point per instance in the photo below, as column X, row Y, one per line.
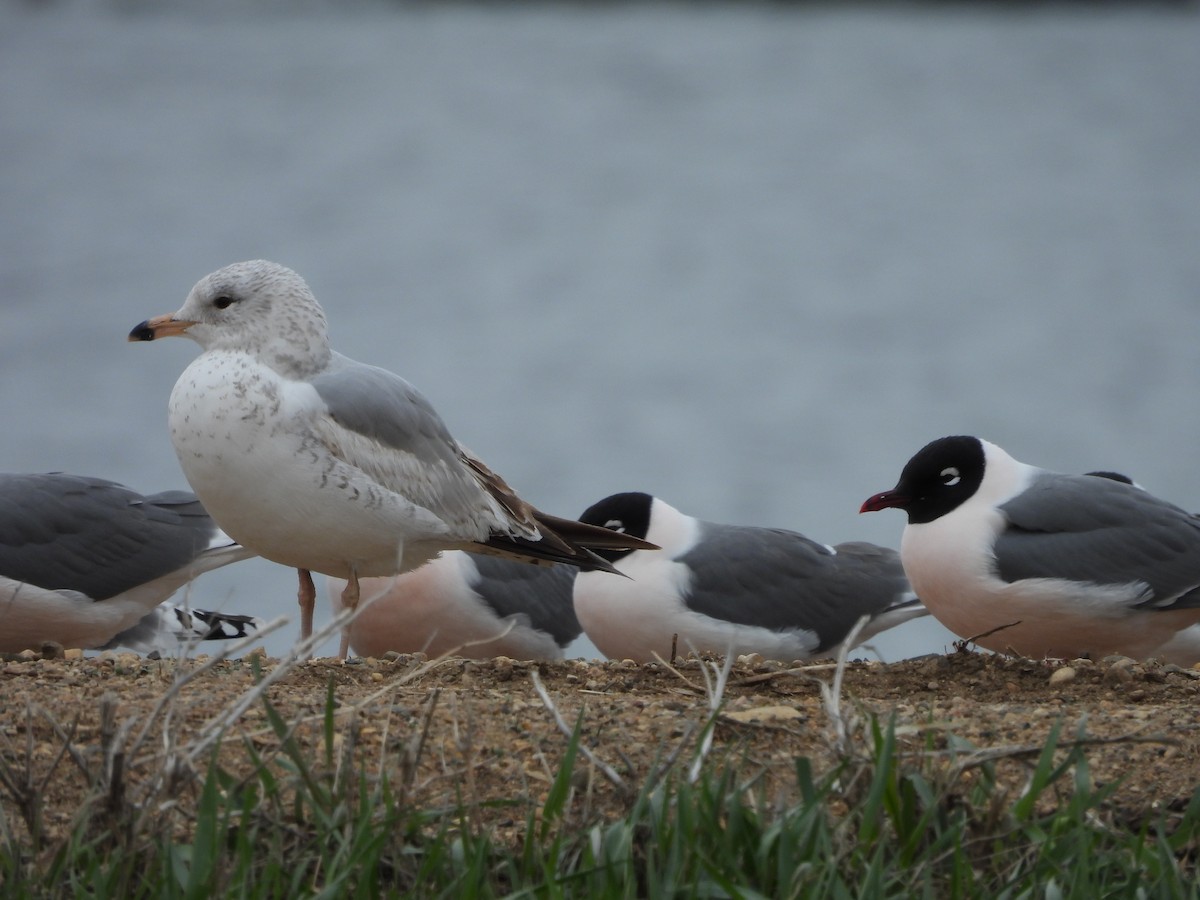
column 349, row 601
column 307, row 598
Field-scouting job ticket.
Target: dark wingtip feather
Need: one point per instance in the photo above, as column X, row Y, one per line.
column 568, row 542
column 596, row 536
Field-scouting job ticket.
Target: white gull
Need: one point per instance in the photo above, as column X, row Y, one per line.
column 322, row 463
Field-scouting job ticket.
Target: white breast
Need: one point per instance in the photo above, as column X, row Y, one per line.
column 949, row 561
column 245, row 441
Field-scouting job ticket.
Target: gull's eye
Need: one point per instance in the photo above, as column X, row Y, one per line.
column 615, row 525
column 223, row 302
column 950, row 476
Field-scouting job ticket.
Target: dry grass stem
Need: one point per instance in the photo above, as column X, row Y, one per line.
column 605, row 769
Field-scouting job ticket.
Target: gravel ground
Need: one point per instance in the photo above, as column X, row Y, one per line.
column 480, row 730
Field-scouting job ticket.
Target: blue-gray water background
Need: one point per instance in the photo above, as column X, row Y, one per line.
column 748, row 258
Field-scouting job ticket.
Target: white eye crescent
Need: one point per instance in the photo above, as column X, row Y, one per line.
column 950, row 476
column 615, row 525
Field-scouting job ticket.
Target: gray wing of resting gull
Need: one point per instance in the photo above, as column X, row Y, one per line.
column 541, row 594
column 91, row 541
column 781, row 580
column 435, row 472
column 1102, row 531
column 96, row 537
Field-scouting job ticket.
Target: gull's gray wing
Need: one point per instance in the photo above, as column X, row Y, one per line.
column 95, row 537
column 543, row 593
column 383, row 407
column 1088, row 529
column 781, row 580
column 381, row 425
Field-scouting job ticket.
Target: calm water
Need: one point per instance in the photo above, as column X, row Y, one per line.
column 747, row 259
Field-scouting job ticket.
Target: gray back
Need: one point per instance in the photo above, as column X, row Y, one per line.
column 71, row 532
column 781, row 580
column 543, row 593
column 1083, row 528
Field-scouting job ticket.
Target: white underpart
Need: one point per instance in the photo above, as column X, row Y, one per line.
column 30, row 616
column 1183, row 648
column 433, row 610
column 951, row 567
column 639, row 617
column 248, row 445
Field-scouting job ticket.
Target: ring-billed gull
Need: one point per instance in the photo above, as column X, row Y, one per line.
column 467, row 604
column 1025, row 560
column 85, row 562
column 322, row 463
column 734, row 588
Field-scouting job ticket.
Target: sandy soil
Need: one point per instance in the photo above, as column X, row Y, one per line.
column 441, row 727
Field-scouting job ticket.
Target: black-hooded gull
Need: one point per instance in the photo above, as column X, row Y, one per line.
column 733, row 588
column 1042, row 564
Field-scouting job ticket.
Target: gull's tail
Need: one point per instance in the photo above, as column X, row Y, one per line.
column 166, row 628
column 564, row 541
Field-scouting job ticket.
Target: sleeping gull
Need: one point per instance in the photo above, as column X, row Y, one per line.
column 86, row 562
column 467, row 604
column 1033, row 562
column 325, row 464
column 733, row 588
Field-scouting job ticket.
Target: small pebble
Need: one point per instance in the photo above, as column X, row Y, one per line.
column 502, row 668
column 1063, row 675
column 1118, row 675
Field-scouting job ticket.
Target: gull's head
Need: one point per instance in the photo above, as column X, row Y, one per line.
column 941, row 477
column 256, row 307
column 632, row 513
